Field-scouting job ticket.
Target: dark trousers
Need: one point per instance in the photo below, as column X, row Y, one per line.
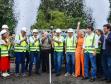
column 45, row 60
column 36, row 56
column 27, row 61
column 99, row 65
column 106, row 64
column 20, row 59
column 52, row 58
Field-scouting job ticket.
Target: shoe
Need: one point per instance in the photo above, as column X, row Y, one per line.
column 73, row 75
column 23, row 75
column 92, row 79
column 58, row 74
column 17, row 74
column 38, row 73
column 67, row 74
column 85, row 78
column 108, row 81
column 7, row 74
column 103, row 79
column 4, row 74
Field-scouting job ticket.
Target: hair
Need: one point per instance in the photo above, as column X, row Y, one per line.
column 108, row 26
column 90, row 27
column 99, row 30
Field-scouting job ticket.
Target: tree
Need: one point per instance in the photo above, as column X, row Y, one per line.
column 6, row 14
column 62, row 14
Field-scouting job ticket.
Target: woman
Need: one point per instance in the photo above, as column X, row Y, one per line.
column 79, row 55
column 4, row 60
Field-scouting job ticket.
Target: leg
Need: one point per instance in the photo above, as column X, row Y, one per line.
column 82, row 63
column 86, row 65
column 31, row 62
column 77, row 64
column 37, row 56
column 67, row 62
column 17, row 61
column 59, row 62
column 73, row 62
column 23, row 62
column 93, row 65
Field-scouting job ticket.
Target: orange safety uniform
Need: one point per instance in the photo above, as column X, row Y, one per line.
column 79, row 58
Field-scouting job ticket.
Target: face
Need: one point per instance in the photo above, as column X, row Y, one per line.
column 23, row 33
column 58, row 34
column 81, row 34
column 106, row 30
column 88, row 30
column 35, row 33
column 5, row 35
column 70, row 34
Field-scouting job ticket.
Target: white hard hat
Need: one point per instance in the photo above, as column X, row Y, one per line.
column 24, row 29
column 58, row 30
column 5, row 27
column 70, row 30
column 3, row 32
column 34, row 30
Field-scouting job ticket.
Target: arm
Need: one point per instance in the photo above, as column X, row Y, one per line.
column 78, row 26
column 109, row 38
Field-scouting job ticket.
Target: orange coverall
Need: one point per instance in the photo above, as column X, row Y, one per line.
column 79, row 58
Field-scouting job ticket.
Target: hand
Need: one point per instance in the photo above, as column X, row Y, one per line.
column 99, row 41
column 94, row 53
column 78, row 23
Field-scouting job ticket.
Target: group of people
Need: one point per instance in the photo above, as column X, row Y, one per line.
column 85, row 54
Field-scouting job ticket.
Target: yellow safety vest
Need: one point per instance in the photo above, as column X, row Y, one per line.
column 58, row 47
column 22, row 47
column 34, row 46
column 70, row 44
column 4, row 50
column 90, row 43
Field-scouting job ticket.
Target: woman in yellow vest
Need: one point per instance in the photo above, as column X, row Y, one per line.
column 21, row 43
column 4, row 60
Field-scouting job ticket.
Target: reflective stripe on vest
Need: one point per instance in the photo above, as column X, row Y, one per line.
column 21, row 47
column 34, row 46
column 70, row 45
column 88, row 42
column 58, row 47
column 4, row 51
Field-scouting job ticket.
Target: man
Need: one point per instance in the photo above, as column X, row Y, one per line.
column 99, row 53
column 4, row 59
column 34, row 45
column 70, row 45
column 58, row 52
column 89, row 47
column 21, row 43
column 106, row 57
column 45, row 50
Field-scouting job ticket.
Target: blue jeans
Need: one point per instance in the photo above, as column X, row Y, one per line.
column 20, row 59
column 89, row 56
column 106, row 63
column 34, row 56
column 58, row 61
column 70, row 61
